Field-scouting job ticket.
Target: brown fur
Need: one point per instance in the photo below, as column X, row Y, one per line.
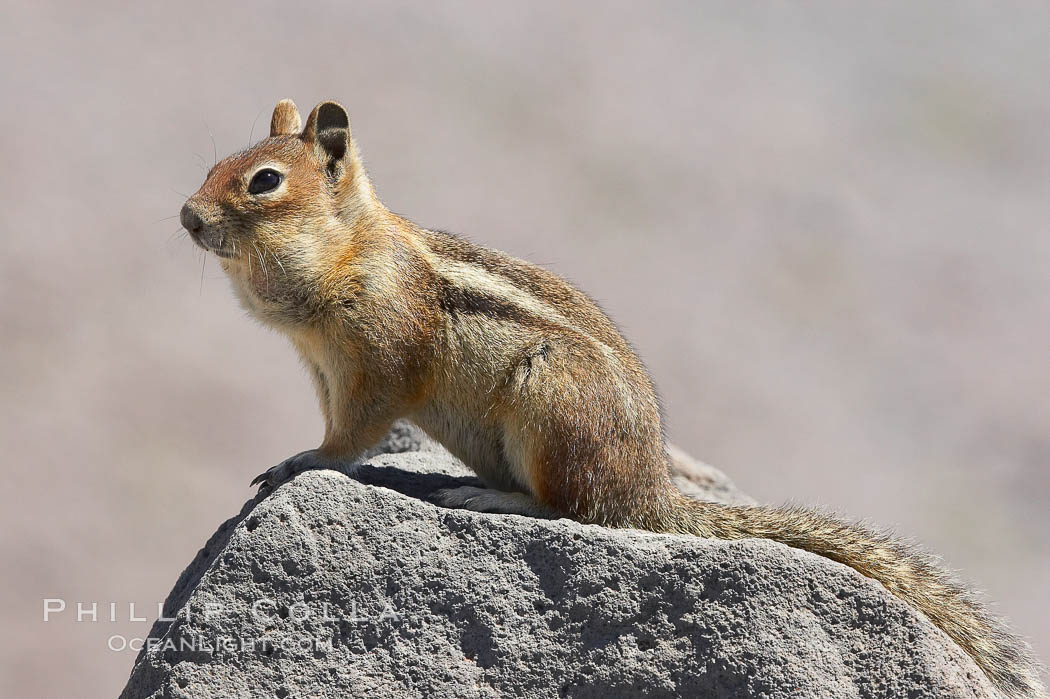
column 513, row 369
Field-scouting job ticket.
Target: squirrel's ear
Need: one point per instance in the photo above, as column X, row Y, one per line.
column 285, row 120
column 328, row 129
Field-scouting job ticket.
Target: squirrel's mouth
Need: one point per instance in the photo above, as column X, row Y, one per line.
column 219, row 250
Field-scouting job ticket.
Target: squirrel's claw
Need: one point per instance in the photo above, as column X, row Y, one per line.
column 288, row 469
column 294, row 465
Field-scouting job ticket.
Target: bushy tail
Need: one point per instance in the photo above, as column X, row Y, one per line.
column 911, row 575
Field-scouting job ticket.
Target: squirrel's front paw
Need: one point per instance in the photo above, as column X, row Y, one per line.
column 292, row 466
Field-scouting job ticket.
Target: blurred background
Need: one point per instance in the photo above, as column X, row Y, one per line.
column 824, row 227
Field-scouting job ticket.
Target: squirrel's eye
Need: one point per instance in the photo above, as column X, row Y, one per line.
column 264, row 181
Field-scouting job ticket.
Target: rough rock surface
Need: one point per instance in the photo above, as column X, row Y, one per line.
column 361, row 587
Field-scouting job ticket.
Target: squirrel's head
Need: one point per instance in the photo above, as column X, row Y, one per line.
column 272, row 213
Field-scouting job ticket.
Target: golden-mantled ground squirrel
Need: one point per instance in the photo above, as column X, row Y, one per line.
column 514, row 370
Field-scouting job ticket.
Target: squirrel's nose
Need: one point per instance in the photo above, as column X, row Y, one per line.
column 191, row 221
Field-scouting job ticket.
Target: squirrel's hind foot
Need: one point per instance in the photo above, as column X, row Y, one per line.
column 493, row 501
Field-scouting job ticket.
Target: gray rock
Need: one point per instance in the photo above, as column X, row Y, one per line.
column 361, row 587
column 703, row 482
